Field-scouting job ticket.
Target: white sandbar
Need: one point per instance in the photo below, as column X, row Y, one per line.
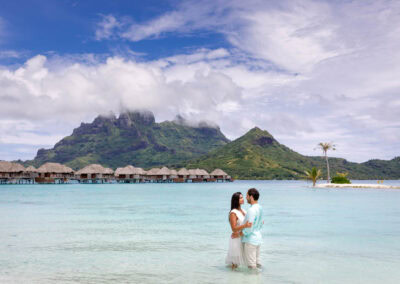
column 357, row 185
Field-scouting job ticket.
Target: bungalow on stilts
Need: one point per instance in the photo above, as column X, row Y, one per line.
column 94, row 173
column 54, row 173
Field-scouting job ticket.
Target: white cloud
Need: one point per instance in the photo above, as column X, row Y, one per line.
column 166, row 23
column 188, row 17
column 295, row 38
column 9, row 54
column 44, row 93
column 106, row 27
column 307, row 72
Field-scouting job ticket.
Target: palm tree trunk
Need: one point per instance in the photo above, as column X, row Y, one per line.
column 328, row 178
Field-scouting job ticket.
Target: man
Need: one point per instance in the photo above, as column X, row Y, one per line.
column 251, row 237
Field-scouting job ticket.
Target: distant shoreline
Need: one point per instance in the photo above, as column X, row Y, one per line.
column 357, row 185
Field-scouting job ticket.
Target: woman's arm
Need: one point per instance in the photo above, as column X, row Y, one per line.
column 233, row 222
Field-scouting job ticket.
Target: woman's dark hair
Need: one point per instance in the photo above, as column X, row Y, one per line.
column 235, row 201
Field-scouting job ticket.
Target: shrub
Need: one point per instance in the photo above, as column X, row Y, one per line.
column 340, row 179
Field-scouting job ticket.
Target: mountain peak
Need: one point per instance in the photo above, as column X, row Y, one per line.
column 101, row 119
column 132, row 138
column 257, row 136
column 256, row 131
column 128, row 118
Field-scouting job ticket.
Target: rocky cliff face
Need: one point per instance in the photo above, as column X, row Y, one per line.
column 132, row 138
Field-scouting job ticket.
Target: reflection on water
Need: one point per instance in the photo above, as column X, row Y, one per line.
column 178, row 233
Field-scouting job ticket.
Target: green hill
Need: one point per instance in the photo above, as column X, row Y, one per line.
column 257, row 155
column 133, row 138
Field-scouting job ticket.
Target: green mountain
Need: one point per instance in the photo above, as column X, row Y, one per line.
column 135, row 138
column 257, row 155
column 132, row 138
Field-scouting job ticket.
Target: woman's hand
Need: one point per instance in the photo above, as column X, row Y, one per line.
column 235, row 235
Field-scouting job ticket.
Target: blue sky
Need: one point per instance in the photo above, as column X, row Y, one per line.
column 67, row 27
column 306, row 71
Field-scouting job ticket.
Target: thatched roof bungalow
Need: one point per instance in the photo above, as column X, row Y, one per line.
column 140, row 172
column 32, row 172
column 55, row 171
column 129, row 172
column 125, row 172
column 198, row 175
column 11, row 170
column 219, row 174
column 95, row 171
column 183, row 173
column 152, row 173
column 31, row 169
column 192, row 174
column 203, row 173
column 164, row 173
column 173, row 174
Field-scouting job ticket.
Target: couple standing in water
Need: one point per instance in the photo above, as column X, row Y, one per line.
column 246, row 239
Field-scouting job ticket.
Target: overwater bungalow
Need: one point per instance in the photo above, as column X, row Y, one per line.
column 198, row 175
column 124, row 174
column 151, row 175
column 219, row 175
column 140, row 174
column 204, row 175
column 173, row 175
column 164, row 174
column 130, row 174
column 12, row 173
column 94, row 173
column 192, row 175
column 32, row 172
column 183, row 175
column 54, row 173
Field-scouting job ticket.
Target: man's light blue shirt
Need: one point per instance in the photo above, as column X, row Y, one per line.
column 255, row 216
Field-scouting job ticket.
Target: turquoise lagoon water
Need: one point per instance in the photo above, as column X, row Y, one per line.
column 178, row 233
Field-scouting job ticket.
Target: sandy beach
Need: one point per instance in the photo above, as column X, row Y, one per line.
column 357, row 185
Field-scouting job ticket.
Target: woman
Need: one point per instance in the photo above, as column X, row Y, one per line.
column 236, row 218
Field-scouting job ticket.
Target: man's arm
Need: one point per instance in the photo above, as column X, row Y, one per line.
column 249, row 218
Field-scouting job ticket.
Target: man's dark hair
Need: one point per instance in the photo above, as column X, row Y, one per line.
column 253, row 192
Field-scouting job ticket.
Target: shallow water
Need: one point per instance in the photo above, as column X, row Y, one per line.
column 178, row 233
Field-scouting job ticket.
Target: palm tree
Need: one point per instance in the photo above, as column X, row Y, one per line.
column 325, row 146
column 313, row 175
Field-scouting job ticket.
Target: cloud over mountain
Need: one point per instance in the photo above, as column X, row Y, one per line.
column 307, row 71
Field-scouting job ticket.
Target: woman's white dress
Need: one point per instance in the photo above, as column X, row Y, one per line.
column 235, row 251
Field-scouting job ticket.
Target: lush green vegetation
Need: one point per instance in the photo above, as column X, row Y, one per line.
column 313, row 175
column 257, row 155
column 135, row 138
column 340, row 179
